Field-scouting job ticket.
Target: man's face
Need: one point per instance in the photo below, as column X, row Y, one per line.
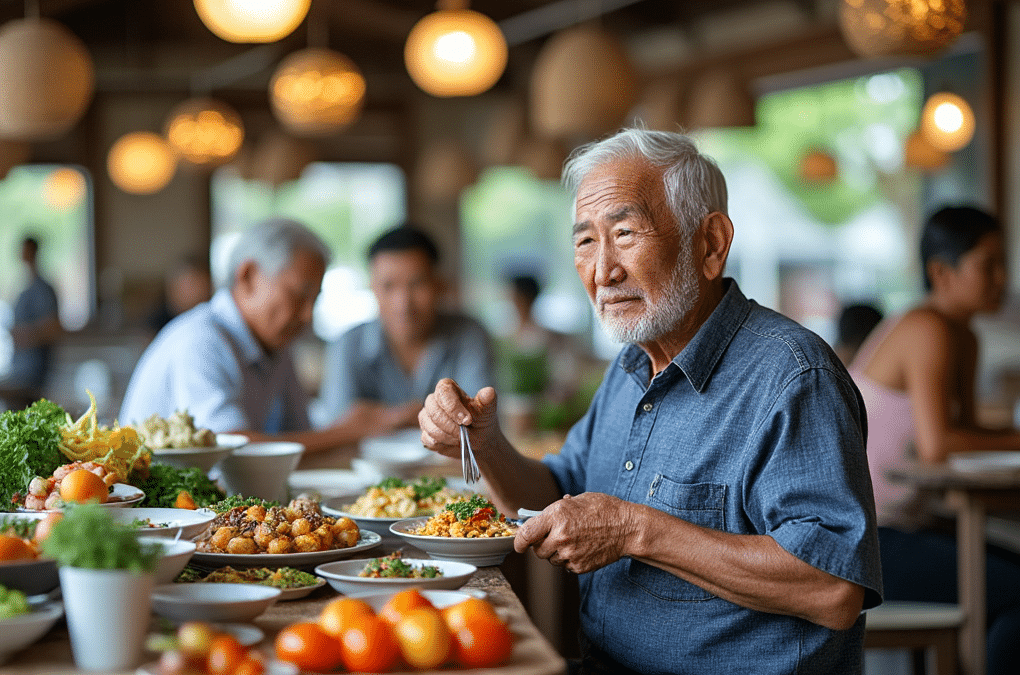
column 408, row 290
column 629, row 254
column 278, row 308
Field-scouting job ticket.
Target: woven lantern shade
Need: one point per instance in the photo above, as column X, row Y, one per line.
column 901, row 27
column 141, row 163
column 583, row 84
column 455, row 52
column 662, row 105
column 64, row 188
column 252, row 20
column 720, row 98
column 818, row 166
column 947, row 121
column 918, row 153
column 46, row 79
column 276, row 159
column 505, row 131
column 444, row 169
column 316, row 92
column 205, row 132
column 13, row 153
column 543, row 157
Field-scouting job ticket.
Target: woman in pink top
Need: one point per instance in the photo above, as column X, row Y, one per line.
column 917, row 376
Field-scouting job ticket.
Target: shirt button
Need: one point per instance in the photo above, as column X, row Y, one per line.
column 647, row 407
column 629, row 466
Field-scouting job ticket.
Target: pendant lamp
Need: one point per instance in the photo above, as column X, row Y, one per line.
column 720, row 98
column 141, row 163
column 252, row 20
column 901, row 27
column 316, row 92
column 64, row 188
column 918, row 153
column 947, row 121
column 205, row 132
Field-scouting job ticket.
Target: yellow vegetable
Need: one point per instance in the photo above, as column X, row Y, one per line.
column 119, row 449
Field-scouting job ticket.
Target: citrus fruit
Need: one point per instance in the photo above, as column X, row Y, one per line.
column 467, row 611
column 424, row 640
column 483, row 643
column 225, row 655
column 81, row 485
column 340, row 613
column 369, row 645
column 401, row 603
column 15, row 548
column 194, row 638
column 308, row 647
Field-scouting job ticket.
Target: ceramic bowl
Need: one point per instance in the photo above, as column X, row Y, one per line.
column 176, row 555
column 212, row 602
column 261, row 469
column 481, row 552
column 19, row 632
column 166, row 522
column 204, row 458
column 343, row 576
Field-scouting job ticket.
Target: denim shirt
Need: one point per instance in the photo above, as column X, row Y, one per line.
column 754, row 428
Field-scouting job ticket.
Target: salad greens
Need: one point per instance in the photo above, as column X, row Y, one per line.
column 233, row 501
column 394, row 567
column 28, row 447
column 465, row 509
column 424, row 486
column 12, row 603
column 88, row 537
column 165, row 482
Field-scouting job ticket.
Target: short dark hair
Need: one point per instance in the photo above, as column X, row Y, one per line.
column 526, row 286
column 856, row 322
column 406, row 237
column 32, row 243
column 951, row 232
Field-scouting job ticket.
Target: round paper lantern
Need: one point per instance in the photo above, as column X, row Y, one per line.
column 920, row 154
column 947, row 122
column 719, row 98
column 46, row 79
column 13, row 153
column 583, row 84
column 818, row 166
column 64, row 188
column 443, row 171
column 901, row 27
column 315, row 92
column 204, row 131
column 141, row 163
column 252, row 20
column 455, row 52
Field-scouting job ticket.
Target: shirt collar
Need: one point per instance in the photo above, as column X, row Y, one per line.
column 229, row 316
column 701, row 355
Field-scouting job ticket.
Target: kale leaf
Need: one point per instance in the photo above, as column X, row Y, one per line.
column 165, row 482
column 28, row 447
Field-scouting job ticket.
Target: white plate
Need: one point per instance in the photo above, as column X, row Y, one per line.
column 204, row 458
column 300, row 591
column 189, row 523
column 978, row 462
column 438, row 598
column 481, row 552
column 125, row 494
column 212, row 602
column 368, row 540
column 19, row 632
column 343, row 576
column 335, row 507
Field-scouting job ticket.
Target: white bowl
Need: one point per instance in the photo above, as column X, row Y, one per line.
column 483, row 552
column 19, row 632
column 438, row 598
column 261, row 469
column 343, row 576
column 204, row 458
column 212, row 602
column 166, row 522
column 176, row 555
column 401, row 454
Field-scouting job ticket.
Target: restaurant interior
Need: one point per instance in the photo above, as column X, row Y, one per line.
column 138, row 136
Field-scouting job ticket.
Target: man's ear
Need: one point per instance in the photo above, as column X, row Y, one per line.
column 716, row 235
column 244, row 278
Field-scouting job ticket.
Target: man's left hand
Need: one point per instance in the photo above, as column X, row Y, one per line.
column 580, row 534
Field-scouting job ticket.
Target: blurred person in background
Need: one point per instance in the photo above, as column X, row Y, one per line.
column 187, row 284
column 855, row 324
column 385, row 368
column 917, row 374
column 227, row 361
column 35, row 332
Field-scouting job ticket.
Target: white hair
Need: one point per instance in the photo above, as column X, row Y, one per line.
column 693, row 184
column 271, row 245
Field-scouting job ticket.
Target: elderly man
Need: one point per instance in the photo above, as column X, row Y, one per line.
column 715, row 499
column 392, row 363
column 227, row 361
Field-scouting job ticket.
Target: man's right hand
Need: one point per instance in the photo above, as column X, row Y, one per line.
column 447, row 408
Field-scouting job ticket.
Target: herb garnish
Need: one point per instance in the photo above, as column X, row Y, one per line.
column 423, row 487
column 393, row 567
column 165, row 482
column 233, row 501
column 88, row 537
column 466, row 509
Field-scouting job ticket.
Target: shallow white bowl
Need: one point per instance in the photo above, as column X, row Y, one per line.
column 400, row 454
column 125, row 495
column 204, row 458
column 168, row 521
column 261, row 469
column 19, row 632
column 481, row 552
column 212, row 602
column 176, row 555
column 438, row 598
column 343, row 576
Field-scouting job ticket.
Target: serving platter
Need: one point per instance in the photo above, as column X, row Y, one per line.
column 367, row 541
column 121, row 495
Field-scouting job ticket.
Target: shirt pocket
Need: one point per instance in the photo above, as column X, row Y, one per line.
column 698, row 503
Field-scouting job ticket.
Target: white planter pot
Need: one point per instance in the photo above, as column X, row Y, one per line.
column 107, row 616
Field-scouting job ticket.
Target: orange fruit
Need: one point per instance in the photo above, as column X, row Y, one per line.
column 424, row 640
column 467, row 611
column 483, row 643
column 195, row 638
column 81, row 485
column 308, row 647
column 369, row 645
column 251, row 665
column 15, row 548
column 45, row 526
column 339, row 614
column 225, row 655
column 401, row 603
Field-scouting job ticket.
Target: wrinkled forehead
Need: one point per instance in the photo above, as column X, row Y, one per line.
column 626, row 180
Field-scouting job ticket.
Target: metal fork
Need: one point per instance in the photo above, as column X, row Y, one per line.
column 468, row 465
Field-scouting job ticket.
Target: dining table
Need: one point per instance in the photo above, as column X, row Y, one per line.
column 971, row 494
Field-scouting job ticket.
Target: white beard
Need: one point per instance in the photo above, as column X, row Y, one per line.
column 680, row 295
